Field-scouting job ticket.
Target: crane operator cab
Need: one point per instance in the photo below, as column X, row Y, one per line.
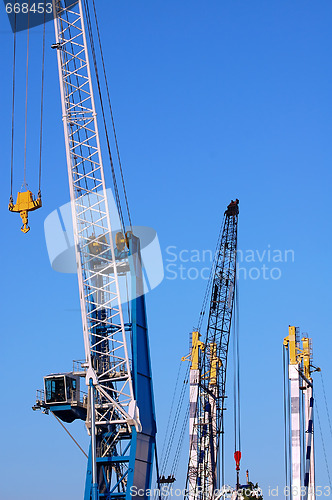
column 63, row 397
column 61, row 388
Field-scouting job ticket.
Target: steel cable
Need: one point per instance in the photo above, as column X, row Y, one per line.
column 175, row 422
column 13, row 114
column 41, row 108
column 117, row 196
column 111, row 112
column 26, row 99
column 210, row 279
column 237, row 334
column 323, row 445
column 326, row 406
column 170, row 412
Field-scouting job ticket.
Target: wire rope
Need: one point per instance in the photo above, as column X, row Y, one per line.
column 69, row 434
column 171, row 410
column 175, row 423
column 323, row 444
column 237, row 333
column 13, row 114
column 41, row 108
column 26, row 99
column 94, row 58
column 326, row 406
column 234, row 391
column 111, row 112
column 210, row 279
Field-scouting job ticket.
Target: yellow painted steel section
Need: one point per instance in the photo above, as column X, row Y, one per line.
column 196, row 345
column 97, row 245
column 215, row 363
column 290, row 343
column 297, row 355
column 307, row 357
column 25, row 203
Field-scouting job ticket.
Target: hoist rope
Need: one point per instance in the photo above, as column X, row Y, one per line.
column 13, row 114
column 236, row 395
column 234, row 391
column 111, row 112
column 41, row 108
column 238, row 359
column 323, row 445
column 326, row 406
column 26, row 100
column 117, row 196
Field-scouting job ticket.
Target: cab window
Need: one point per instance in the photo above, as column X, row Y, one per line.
column 55, row 390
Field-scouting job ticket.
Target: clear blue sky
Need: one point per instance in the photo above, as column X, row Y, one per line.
column 212, row 100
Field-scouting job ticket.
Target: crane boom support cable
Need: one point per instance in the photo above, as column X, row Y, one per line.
column 175, row 422
column 70, row 435
column 210, row 279
column 111, row 112
column 323, row 444
column 13, row 114
column 94, row 58
column 116, row 191
column 326, row 405
column 170, row 412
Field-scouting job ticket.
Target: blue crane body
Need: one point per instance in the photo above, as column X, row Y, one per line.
column 118, row 408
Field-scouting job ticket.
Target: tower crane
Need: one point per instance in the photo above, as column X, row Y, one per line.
column 208, row 369
column 118, row 408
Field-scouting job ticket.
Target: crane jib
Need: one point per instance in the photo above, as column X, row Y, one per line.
column 208, row 373
column 118, row 407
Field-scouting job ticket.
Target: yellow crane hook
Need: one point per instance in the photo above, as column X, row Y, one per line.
column 25, row 203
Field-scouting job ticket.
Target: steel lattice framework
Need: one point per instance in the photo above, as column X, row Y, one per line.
column 112, row 415
column 208, row 383
column 97, row 267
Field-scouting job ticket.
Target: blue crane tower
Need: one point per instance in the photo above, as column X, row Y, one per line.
column 118, row 406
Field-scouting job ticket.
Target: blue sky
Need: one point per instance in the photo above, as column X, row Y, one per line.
column 212, row 100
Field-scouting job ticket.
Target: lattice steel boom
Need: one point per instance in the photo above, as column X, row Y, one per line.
column 208, row 369
column 119, row 408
